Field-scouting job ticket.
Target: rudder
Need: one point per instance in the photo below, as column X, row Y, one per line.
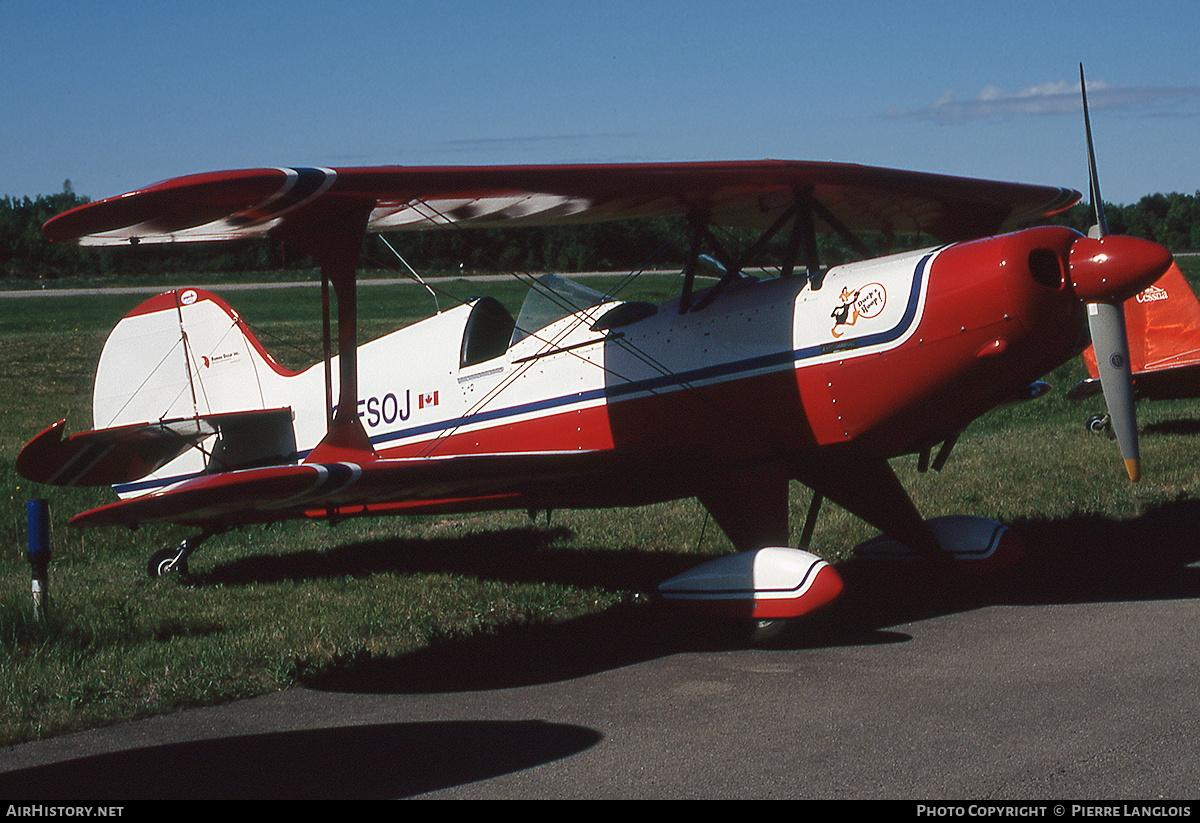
column 181, row 354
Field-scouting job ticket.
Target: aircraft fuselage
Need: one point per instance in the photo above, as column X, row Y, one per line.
column 896, row 353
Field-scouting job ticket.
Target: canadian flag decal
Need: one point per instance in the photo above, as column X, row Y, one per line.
column 424, row 400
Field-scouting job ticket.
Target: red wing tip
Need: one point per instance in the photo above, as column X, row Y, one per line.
column 32, row 463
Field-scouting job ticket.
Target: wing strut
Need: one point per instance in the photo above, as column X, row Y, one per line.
column 866, row 486
column 327, row 351
column 807, row 222
column 334, row 239
column 804, row 236
column 695, row 226
column 733, row 268
column 852, row 239
column 802, row 217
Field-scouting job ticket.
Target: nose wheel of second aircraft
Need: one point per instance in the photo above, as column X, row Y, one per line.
column 1099, row 423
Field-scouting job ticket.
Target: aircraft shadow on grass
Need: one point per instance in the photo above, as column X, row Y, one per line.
column 1077, row 559
column 1182, row 426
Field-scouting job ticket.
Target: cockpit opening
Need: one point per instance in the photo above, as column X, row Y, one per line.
column 488, row 329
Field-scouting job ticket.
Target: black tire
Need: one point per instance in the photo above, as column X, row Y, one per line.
column 166, row 561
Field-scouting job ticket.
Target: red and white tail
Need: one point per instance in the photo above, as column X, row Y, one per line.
column 183, row 353
column 187, row 354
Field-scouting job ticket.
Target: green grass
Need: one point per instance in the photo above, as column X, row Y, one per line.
column 266, row 605
column 271, row 606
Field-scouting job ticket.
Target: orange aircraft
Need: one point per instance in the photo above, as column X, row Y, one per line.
column 1163, row 327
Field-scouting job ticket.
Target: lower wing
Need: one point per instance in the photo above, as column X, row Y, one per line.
column 341, row 489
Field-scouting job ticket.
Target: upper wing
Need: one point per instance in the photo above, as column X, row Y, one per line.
column 233, row 204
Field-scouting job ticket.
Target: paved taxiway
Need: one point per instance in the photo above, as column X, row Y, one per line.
column 1077, row 677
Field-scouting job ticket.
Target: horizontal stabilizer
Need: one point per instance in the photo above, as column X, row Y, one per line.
column 124, row 454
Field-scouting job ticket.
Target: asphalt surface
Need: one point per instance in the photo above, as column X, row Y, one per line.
column 1074, row 675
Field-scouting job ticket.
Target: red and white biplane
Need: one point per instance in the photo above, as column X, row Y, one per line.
column 725, row 394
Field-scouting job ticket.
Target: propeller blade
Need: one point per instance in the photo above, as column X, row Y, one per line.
column 1106, row 322
column 1101, row 227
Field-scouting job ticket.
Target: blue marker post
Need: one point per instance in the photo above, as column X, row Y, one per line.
column 37, row 515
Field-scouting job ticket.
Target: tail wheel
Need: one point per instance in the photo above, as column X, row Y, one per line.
column 167, row 561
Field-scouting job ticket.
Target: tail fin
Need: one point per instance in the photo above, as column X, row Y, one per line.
column 181, row 354
column 187, row 354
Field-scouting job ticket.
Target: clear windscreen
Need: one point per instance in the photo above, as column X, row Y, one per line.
column 552, row 298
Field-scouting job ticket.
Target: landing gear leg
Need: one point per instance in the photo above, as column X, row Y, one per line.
column 167, row 561
column 764, row 632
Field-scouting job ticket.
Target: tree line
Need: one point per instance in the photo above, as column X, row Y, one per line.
column 1170, row 219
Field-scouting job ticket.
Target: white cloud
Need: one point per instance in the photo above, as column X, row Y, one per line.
column 1059, row 97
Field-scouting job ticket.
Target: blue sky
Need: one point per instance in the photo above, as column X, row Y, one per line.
column 118, row 95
